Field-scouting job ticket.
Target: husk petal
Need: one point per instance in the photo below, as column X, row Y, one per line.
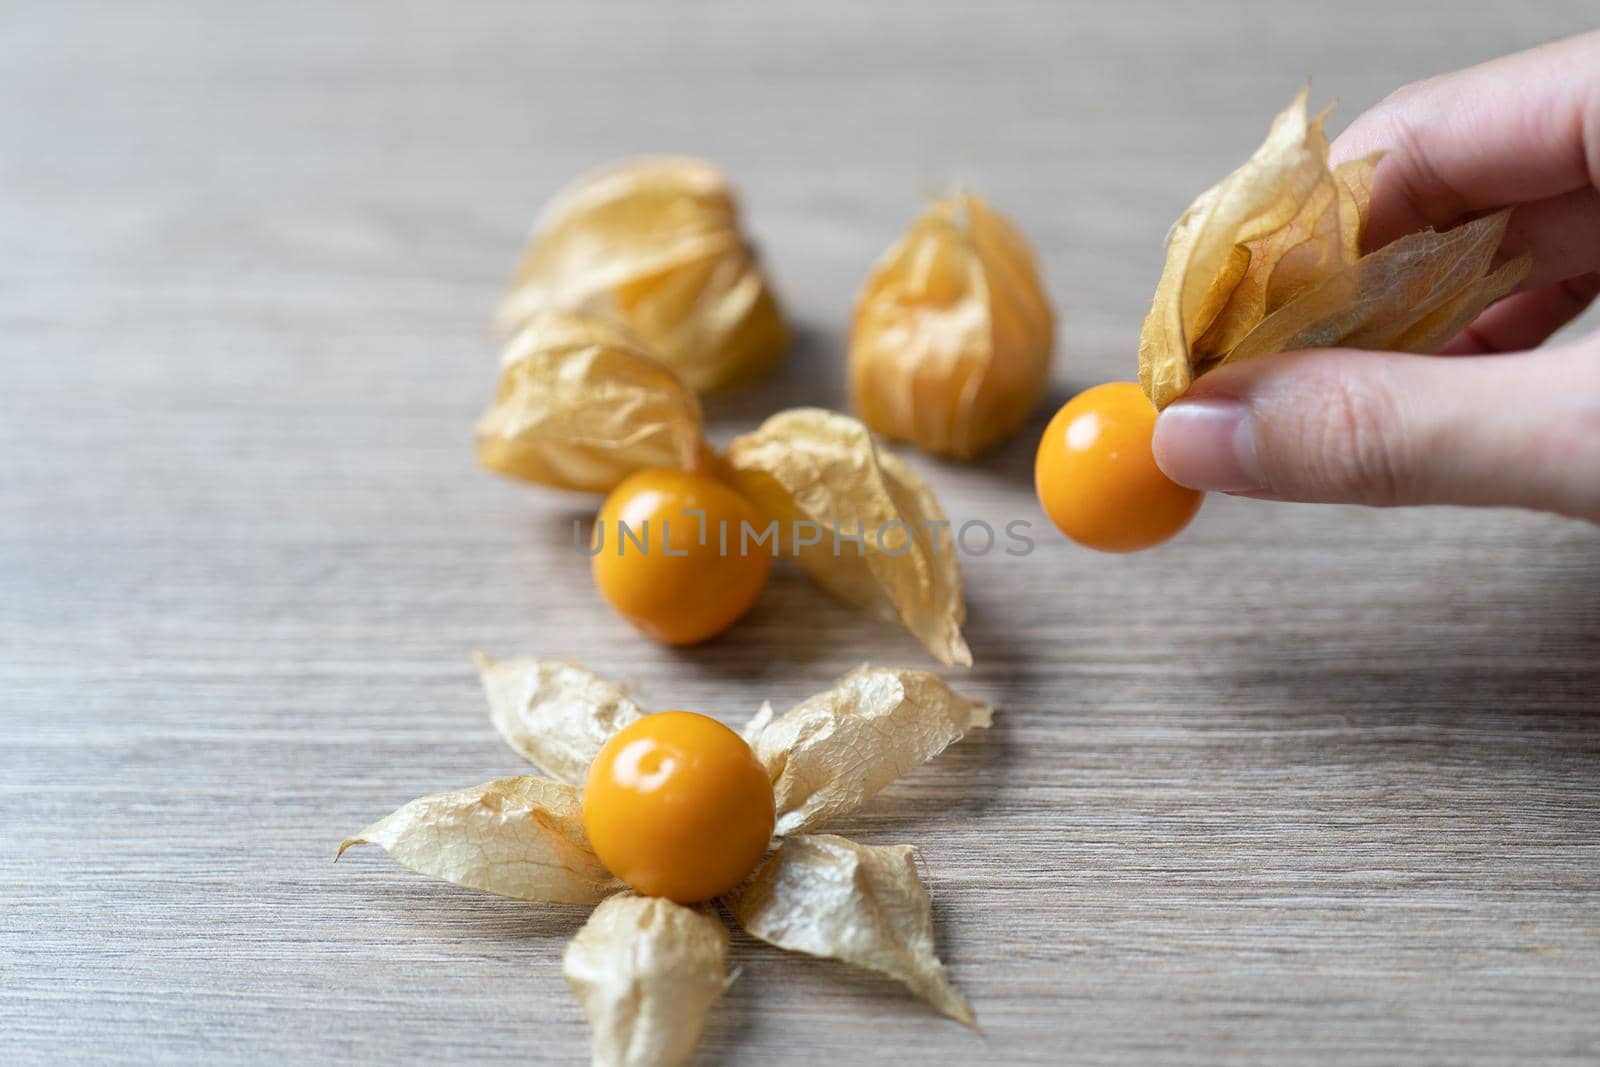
column 861, row 904
column 1377, row 301
column 807, row 465
column 830, row 753
column 647, row 972
column 517, row 837
column 556, row 715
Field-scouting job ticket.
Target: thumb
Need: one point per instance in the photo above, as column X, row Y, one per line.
column 1342, row 426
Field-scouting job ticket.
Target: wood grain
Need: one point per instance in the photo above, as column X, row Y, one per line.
column 1311, row 785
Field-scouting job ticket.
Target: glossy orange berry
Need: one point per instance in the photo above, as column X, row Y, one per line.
column 1097, row 477
column 678, row 806
column 670, row 556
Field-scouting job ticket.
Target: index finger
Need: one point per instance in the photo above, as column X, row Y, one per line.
column 1520, row 128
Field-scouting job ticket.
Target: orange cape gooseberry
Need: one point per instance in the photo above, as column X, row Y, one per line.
column 669, row 555
column 677, row 806
column 1097, row 477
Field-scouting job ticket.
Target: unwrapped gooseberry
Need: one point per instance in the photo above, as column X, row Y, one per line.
column 672, row 557
column 1097, row 477
column 677, row 806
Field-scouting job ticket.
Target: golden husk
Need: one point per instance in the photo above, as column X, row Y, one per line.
column 655, row 244
column 832, row 752
column 582, row 405
column 1412, row 295
column 555, row 714
column 810, row 465
column 1269, row 260
column 951, row 341
column 647, row 972
column 517, row 837
column 862, row 904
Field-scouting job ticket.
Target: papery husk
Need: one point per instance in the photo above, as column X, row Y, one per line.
column 832, row 752
column 647, row 972
column 862, row 904
column 517, row 837
column 1269, row 260
column 951, row 341
column 811, row 465
column 655, row 244
column 758, row 723
column 556, row 715
column 1389, row 299
column 581, row 405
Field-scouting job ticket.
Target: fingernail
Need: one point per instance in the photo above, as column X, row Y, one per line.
column 1208, row 444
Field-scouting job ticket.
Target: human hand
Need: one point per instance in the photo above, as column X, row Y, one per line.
column 1493, row 424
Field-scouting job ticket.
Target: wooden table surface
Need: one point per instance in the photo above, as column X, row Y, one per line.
column 1308, row 785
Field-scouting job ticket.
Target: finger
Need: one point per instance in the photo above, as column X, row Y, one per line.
column 1562, row 233
column 1525, row 320
column 1519, row 128
column 1341, row 426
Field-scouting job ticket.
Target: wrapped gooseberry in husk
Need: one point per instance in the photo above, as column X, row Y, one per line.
column 581, row 405
column 950, row 348
column 655, row 244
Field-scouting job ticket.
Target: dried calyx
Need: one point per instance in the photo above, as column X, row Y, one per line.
column 1269, row 260
column 582, row 404
column 647, row 970
column 655, row 245
column 951, row 342
column 821, row 468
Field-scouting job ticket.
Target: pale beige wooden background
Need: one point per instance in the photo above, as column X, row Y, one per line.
column 1309, row 785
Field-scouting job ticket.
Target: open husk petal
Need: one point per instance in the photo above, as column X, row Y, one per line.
column 832, row 752
column 812, row 466
column 1269, row 260
column 647, row 972
column 862, row 904
column 655, row 244
column 952, row 335
column 555, row 714
column 518, row 837
column 581, row 405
